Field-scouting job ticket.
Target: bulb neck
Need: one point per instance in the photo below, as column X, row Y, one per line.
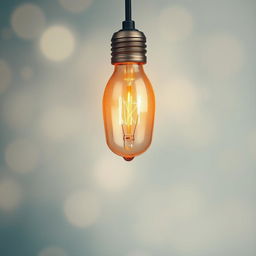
column 129, row 67
column 133, row 64
column 128, row 46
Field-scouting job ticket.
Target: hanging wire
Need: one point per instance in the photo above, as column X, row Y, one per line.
column 128, row 10
column 128, row 24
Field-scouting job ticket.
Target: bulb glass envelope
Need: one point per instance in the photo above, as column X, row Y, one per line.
column 128, row 110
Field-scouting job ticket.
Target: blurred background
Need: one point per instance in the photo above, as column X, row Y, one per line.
column 63, row 193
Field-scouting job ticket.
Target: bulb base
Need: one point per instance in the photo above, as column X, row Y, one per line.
column 128, row 46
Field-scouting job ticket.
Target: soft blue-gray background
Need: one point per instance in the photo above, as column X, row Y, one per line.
column 63, row 193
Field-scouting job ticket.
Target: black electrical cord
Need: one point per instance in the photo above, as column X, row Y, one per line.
column 128, row 10
column 128, row 24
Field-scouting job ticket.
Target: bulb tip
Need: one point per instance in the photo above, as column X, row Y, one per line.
column 128, row 159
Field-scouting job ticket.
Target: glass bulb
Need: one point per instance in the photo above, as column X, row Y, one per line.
column 128, row 111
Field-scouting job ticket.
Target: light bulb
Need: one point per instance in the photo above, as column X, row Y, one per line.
column 128, row 110
column 128, row 101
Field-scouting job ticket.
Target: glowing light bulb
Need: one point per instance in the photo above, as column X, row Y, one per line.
column 128, row 101
column 128, row 109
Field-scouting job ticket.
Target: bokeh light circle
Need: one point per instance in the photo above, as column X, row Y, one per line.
column 22, row 156
column 176, row 23
column 82, row 209
column 28, row 21
column 5, row 76
column 10, row 194
column 75, row 6
column 52, row 251
column 57, row 43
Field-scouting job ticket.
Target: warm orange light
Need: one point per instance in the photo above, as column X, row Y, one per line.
column 128, row 110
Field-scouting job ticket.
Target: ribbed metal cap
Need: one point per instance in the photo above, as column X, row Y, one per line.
column 129, row 46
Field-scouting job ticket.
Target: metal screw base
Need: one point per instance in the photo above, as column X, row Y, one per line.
column 128, row 46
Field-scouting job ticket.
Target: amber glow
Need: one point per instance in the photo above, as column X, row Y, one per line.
column 128, row 109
